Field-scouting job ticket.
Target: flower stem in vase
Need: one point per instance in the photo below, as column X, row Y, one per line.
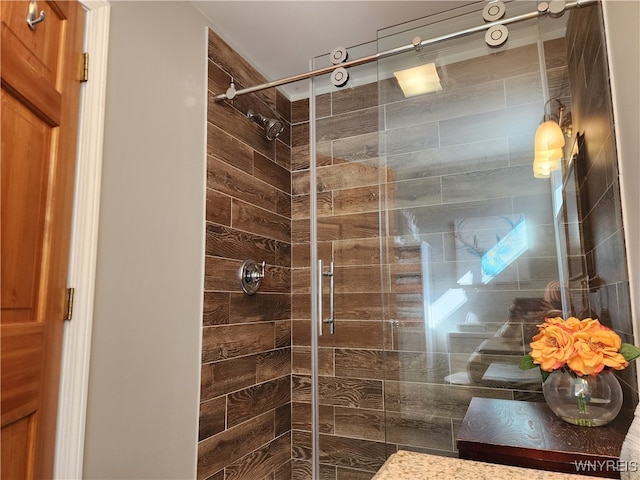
column 583, row 397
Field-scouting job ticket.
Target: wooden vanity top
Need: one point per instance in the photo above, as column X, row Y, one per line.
column 528, row 434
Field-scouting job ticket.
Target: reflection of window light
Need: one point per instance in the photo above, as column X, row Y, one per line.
column 557, row 199
column 466, row 279
column 425, row 255
column 448, row 303
column 505, row 252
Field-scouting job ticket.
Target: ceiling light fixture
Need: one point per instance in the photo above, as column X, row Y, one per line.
column 418, row 80
column 549, row 142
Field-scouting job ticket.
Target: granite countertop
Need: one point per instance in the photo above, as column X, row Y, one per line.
column 405, row 465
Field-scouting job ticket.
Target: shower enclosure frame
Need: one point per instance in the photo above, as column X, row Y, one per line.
column 315, row 274
column 416, row 45
column 352, row 254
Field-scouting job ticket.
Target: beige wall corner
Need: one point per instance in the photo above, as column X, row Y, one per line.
column 142, row 414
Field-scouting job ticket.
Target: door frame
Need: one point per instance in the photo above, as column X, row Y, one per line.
column 76, row 349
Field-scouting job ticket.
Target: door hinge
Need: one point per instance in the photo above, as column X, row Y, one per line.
column 84, row 71
column 69, row 309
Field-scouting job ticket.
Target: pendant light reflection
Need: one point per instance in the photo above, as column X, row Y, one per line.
column 548, row 145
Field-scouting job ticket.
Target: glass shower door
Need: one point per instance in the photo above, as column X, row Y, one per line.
column 441, row 241
column 337, row 195
column 471, row 245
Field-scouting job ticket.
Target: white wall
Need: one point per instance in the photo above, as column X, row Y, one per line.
column 623, row 42
column 142, row 413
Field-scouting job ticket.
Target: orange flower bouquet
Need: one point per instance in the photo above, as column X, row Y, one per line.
column 582, row 347
column 574, row 357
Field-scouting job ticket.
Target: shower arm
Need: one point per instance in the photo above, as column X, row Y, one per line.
column 543, row 9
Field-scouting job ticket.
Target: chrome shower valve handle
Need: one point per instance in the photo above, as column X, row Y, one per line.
column 251, row 275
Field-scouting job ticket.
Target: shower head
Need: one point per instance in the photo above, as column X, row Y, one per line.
column 272, row 126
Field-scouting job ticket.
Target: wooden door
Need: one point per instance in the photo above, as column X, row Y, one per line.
column 40, row 71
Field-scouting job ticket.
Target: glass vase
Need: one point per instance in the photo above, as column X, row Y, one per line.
column 590, row 401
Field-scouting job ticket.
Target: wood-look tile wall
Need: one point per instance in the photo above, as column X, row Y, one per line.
column 352, row 435
column 462, row 153
column 385, row 382
column 599, row 188
column 245, row 404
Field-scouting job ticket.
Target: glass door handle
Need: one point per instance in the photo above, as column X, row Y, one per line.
column 331, row 319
